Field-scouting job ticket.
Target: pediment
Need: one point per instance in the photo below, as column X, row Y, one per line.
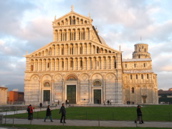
column 72, row 16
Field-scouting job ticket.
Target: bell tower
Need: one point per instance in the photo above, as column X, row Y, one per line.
column 141, row 51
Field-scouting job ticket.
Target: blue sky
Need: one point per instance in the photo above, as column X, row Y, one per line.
column 26, row 25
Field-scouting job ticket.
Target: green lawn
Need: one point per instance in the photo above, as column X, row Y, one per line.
column 150, row 113
column 75, row 127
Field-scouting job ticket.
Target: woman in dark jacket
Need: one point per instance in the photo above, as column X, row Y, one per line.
column 139, row 115
column 48, row 114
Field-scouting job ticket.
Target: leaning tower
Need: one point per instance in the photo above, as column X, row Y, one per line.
column 139, row 81
column 141, row 51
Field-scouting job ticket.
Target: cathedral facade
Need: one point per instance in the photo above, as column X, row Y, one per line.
column 80, row 67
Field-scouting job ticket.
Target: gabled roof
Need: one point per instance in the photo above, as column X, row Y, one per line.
column 72, row 13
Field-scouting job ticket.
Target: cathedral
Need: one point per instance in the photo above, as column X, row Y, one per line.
column 78, row 66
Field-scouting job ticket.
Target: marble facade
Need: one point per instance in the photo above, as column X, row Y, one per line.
column 80, row 67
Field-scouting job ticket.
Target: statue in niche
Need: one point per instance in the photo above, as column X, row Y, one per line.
column 71, row 78
column 46, row 84
column 97, row 83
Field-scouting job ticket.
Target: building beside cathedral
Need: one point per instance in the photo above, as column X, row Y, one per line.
column 3, row 95
column 80, row 67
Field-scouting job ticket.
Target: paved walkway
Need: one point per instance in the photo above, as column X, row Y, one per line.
column 88, row 123
column 24, row 111
column 78, row 122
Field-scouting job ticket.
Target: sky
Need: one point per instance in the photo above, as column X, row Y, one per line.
column 26, row 26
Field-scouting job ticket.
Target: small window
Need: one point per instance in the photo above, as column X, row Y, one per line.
column 147, row 76
column 142, row 76
column 62, row 64
column 132, row 89
column 81, row 64
column 81, row 50
column 135, row 65
column 48, row 65
column 125, row 65
column 144, row 64
column 115, row 64
column 97, row 50
column 136, row 76
column 71, row 64
column 62, row 52
column 31, row 68
column 130, row 76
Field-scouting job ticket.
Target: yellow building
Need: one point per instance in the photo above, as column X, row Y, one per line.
column 80, row 67
column 3, row 95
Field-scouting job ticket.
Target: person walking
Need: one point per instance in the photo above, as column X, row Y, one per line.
column 40, row 105
column 108, row 102
column 48, row 114
column 30, row 112
column 139, row 115
column 63, row 113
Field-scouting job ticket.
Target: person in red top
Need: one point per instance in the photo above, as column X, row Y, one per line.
column 30, row 112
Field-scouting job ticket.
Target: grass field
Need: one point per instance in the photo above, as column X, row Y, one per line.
column 75, row 127
column 150, row 113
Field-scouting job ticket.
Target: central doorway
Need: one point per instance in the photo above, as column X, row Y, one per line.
column 97, row 96
column 46, row 95
column 71, row 94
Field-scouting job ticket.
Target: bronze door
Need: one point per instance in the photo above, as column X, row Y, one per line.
column 71, row 94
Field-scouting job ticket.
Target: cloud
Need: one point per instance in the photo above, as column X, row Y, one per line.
column 11, row 13
column 164, row 80
column 12, row 71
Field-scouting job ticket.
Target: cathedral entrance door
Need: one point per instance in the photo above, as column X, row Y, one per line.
column 71, row 94
column 144, row 98
column 46, row 95
column 97, row 96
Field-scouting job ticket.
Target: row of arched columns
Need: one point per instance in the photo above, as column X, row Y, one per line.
column 72, row 49
column 139, row 78
column 73, row 63
column 72, row 34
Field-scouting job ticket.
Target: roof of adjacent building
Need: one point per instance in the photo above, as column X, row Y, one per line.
column 131, row 60
column 165, row 91
column 2, row 87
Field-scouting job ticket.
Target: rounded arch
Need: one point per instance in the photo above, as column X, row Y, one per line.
column 84, row 77
column 71, row 77
column 110, row 76
column 96, row 76
column 46, row 77
column 34, row 77
column 58, row 77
